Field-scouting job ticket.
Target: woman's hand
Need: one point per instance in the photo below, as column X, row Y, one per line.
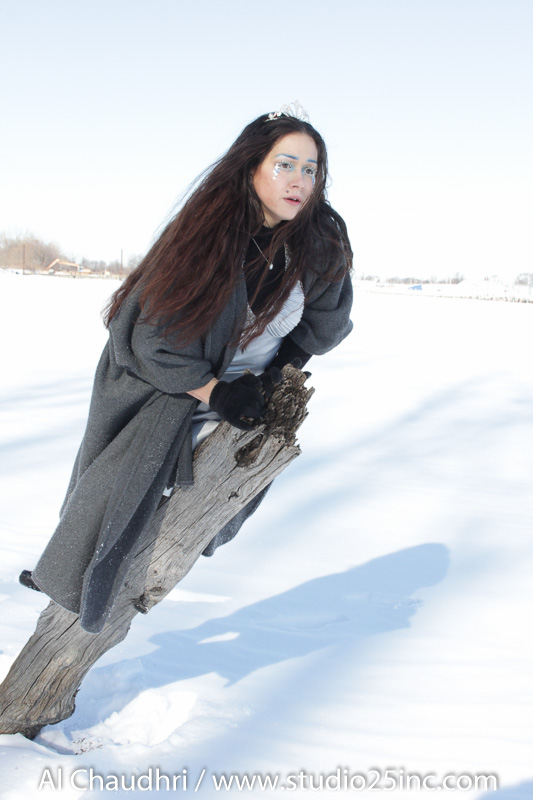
column 244, row 397
column 269, row 380
column 240, row 402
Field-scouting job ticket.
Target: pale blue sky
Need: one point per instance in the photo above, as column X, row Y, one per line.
column 112, row 107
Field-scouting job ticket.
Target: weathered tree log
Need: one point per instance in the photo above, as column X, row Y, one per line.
column 230, row 467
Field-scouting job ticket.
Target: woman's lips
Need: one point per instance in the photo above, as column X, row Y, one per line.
column 293, row 201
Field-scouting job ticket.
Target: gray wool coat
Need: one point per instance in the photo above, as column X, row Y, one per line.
column 138, row 440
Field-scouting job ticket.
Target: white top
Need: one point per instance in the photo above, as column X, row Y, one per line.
column 255, row 357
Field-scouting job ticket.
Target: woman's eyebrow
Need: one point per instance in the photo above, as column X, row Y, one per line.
column 312, row 160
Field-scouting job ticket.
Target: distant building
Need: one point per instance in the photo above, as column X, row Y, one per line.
column 61, row 267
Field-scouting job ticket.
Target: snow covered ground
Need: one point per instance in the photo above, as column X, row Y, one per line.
column 371, row 617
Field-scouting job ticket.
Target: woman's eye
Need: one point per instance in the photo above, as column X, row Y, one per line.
column 286, row 165
column 310, row 172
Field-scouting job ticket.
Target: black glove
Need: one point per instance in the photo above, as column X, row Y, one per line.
column 270, row 379
column 296, row 363
column 234, row 400
column 290, row 353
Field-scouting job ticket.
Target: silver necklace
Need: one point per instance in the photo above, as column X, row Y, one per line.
column 271, row 263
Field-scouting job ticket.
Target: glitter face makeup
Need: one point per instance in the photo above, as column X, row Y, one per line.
column 286, row 177
column 309, row 170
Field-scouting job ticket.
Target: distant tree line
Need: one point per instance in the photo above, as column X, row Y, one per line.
column 411, row 281
column 114, row 267
column 524, row 279
column 28, row 252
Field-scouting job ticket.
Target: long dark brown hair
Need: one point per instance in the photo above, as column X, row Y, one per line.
column 187, row 277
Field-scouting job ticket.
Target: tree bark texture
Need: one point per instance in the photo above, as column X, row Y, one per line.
column 230, row 468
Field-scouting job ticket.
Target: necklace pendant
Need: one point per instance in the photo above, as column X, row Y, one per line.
column 271, row 264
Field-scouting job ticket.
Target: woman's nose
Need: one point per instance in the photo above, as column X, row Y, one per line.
column 297, row 178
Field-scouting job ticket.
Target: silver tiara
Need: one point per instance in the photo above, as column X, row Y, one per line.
column 294, row 109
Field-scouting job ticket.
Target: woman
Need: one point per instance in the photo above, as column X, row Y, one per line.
column 251, row 273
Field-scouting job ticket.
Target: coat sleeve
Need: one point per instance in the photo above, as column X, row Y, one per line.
column 170, row 368
column 144, row 352
column 326, row 317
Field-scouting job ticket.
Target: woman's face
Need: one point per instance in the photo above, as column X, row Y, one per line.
column 285, row 178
